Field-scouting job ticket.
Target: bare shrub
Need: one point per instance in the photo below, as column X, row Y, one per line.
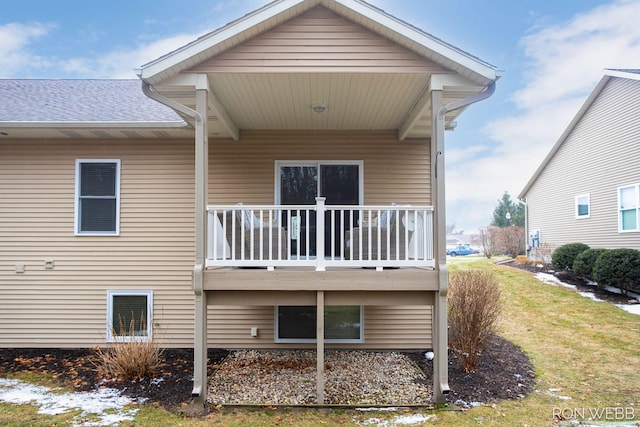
column 474, row 308
column 487, row 238
column 513, row 239
column 129, row 359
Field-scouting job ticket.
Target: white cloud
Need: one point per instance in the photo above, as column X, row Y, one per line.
column 566, row 60
column 119, row 64
column 14, row 41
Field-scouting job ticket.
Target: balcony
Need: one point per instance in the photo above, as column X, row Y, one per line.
column 320, row 236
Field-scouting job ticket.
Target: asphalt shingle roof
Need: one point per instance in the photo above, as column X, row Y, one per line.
column 108, row 101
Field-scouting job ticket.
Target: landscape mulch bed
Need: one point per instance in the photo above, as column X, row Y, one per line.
column 504, row 372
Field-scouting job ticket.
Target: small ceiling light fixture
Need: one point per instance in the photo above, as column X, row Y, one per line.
column 319, row 107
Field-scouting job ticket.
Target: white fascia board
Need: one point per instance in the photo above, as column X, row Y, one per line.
column 621, row 74
column 154, row 68
column 585, row 106
column 440, row 81
column 101, row 125
column 406, row 30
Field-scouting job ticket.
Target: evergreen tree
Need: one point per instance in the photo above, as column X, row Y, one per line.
column 515, row 211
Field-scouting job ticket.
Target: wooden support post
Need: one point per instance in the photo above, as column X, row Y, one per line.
column 320, row 347
column 200, row 301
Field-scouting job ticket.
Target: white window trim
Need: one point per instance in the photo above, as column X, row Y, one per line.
column 317, row 163
column 636, row 187
column 279, row 340
column 76, row 213
column 578, row 197
column 110, row 295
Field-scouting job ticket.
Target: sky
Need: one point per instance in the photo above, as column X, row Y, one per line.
column 550, row 54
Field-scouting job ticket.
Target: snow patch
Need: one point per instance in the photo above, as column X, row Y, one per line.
column 401, row 420
column 552, row 392
column 106, row 406
column 631, row 308
column 552, row 280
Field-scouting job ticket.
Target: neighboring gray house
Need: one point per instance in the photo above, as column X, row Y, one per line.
column 587, row 189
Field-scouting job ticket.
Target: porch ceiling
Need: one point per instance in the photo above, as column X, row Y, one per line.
column 352, row 101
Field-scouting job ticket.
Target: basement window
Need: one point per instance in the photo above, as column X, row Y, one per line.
column 297, row 324
column 129, row 315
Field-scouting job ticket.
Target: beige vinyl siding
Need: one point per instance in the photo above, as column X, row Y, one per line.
column 600, row 155
column 318, row 40
column 66, row 306
column 394, row 171
column 385, row 327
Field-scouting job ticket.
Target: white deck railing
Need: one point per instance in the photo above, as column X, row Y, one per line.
column 295, row 235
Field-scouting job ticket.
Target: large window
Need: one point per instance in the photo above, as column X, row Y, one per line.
column 583, row 206
column 342, row 324
column 299, row 183
column 629, row 208
column 97, row 210
column 129, row 315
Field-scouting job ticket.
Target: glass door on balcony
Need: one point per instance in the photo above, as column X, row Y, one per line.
column 301, row 182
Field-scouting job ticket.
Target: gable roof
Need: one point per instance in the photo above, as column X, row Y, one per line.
column 358, row 11
column 369, row 70
column 632, row 74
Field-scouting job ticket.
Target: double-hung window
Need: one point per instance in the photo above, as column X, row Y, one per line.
column 583, row 206
column 129, row 315
column 629, row 208
column 97, row 202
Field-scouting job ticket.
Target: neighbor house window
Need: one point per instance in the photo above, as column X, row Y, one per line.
column 129, row 315
column 629, row 208
column 583, row 207
column 97, row 206
column 342, row 324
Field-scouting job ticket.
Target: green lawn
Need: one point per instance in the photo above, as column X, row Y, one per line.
column 586, row 351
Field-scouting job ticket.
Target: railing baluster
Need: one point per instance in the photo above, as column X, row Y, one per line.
column 233, row 240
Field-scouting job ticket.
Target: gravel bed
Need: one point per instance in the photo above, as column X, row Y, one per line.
column 288, row 377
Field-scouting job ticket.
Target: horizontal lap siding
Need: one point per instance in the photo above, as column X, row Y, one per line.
column 66, row 306
column 394, row 171
column 385, row 328
column 600, row 155
column 318, row 40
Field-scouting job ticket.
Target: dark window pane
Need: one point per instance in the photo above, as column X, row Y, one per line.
column 97, row 215
column 299, row 322
column 339, row 184
column 298, row 185
column 129, row 315
column 98, row 179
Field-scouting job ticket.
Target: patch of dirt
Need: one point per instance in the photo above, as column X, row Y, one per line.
column 580, row 284
column 504, row 372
